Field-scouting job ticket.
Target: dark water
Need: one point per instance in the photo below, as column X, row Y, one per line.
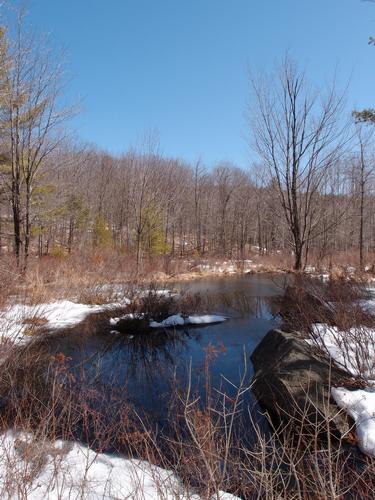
column 144, row 368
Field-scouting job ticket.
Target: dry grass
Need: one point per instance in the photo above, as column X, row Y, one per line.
column 83, row 274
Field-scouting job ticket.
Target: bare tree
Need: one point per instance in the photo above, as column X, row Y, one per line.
column 147, row 193
column 224, row 178
column 362, row 173
column 199, row 180
column 298, row 135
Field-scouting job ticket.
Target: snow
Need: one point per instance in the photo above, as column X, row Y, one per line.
column 225, row 267
column 175, row 320
column 71, row 470
column 16, row 320
column 179, row 320
column 360, row 405
column 354, row 350
column 60, row 314
column 324, row 277
column 205, row 319
column 310, row 269
column 114, row 321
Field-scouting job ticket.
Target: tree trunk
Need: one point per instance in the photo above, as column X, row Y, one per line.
column 27, row 227
column 138, row 251
column 16, row 220
column 71, row 234
column 361, row 213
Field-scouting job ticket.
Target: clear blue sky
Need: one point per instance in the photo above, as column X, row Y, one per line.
column 180, row 66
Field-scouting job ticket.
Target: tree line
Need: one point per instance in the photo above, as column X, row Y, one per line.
column 307, row 192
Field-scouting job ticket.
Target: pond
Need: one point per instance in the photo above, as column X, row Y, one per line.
column 146, row 368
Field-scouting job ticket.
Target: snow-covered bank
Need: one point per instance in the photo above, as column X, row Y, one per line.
column 354, row 350
column 226, row 267
column 15, row 320
column 211, row 269
column 43, row 470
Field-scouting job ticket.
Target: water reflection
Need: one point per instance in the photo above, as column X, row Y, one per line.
column 108, row 372
column 146, row 368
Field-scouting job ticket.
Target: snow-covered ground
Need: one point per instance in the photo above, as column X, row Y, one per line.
column 312, row 271
column 353, row 350
column 16, row 319
column 70, row 470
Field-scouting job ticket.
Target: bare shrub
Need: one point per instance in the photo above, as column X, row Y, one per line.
column 335, row 318
column 10, row 277
column 307, row 301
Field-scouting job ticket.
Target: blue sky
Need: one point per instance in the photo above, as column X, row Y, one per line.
column 180, row 66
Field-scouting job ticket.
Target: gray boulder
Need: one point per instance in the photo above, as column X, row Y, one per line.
column 292, row 379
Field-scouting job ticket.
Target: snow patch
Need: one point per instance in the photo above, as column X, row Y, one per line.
column 353, row 349
column 179, row 320
column 174, row 320
column 360, row 405
column 57, row 315
column 71, row 470
column 14, row 319
column 114, row 321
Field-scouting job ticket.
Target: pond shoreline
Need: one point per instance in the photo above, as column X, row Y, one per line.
column 194, row 275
